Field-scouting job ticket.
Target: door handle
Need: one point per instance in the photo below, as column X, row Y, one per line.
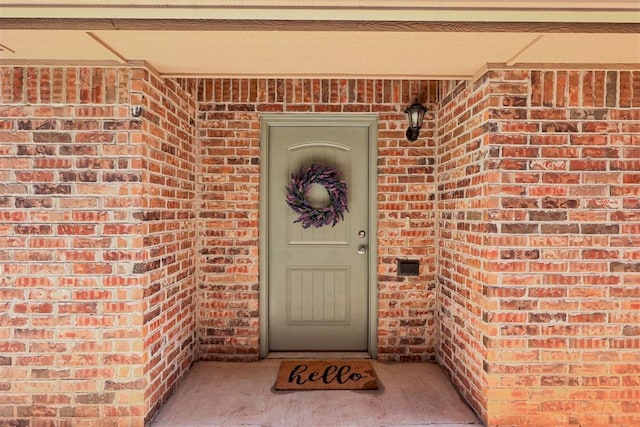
column 362, row 250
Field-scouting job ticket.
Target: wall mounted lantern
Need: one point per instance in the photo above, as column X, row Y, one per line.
column 415, row 114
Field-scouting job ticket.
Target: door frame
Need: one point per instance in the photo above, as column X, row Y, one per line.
column 267, row 121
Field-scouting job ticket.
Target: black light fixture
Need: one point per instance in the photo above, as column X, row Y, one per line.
column 415, row 114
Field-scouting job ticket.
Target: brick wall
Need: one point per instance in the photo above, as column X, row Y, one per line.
column 228, row 134
column 96, row 259
column 463, row 208
column 554, row 316
column 168, row 221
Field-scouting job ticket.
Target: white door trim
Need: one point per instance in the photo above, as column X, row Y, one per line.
column 334, row 120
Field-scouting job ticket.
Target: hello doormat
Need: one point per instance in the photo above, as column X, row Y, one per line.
column 326, row 375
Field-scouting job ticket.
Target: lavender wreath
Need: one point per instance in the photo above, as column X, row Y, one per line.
column 335, row 185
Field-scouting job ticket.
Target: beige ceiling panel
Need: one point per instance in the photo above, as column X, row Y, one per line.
column 583, row 49
column 52, row 46
column 436, row 55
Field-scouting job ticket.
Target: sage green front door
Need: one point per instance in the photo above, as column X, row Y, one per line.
column 318, row 288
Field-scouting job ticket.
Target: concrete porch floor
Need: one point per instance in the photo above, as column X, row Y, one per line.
column 240, row 394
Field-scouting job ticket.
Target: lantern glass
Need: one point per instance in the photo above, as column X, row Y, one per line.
column 415, row 115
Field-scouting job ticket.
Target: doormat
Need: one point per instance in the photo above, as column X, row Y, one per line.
column 326, row 375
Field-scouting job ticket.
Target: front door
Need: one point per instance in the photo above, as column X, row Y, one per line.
column 318, row 277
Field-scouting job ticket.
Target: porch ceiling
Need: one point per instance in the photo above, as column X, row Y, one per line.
column 281, row 38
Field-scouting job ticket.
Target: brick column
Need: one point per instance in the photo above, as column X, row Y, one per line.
column 97, row 244
column 539, row 290
column 70, row 327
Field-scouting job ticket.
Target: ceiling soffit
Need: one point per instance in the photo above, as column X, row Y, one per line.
column 365, row 38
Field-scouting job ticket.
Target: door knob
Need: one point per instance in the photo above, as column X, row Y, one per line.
column 362, row 250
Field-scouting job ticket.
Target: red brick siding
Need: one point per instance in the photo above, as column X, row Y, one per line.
column 97, row 243
column 573, row 247
column 168, row 218
column 462, row 224
column 559, row 294
column 71, row 321
column 229, row 138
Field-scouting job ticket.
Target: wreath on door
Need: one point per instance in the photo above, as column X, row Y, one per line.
column 297, row 196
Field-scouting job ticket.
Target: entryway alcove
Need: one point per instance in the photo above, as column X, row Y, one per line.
column 131, row 198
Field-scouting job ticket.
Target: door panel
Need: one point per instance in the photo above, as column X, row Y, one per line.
column 318, row 282
column 318, row 296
